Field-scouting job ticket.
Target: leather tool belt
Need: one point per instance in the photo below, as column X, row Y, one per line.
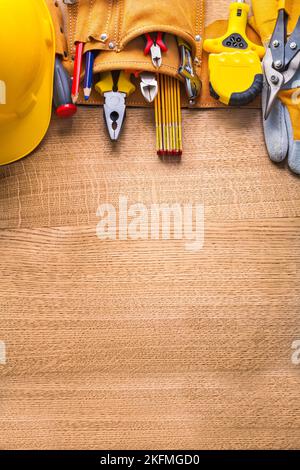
column 115, row 28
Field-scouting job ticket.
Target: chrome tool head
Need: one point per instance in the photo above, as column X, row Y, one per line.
column 275, row 81
column 149, row 86
column 156, row 56
column 114, row 113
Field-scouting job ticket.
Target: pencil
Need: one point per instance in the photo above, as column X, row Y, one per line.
column 179, row 119
column 169, row 79
column 88, row 78
column 163, row 116
column 77, row 71
column 168, row 117
column 173, row 118
column 159, row 118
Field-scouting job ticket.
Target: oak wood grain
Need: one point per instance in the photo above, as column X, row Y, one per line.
column 141, row 344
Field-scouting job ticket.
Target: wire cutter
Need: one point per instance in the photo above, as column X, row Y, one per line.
column 149, row 86
column 115, row 91
column 282, row 59
column 155, row 45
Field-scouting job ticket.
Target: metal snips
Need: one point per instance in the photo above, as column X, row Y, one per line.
column 282, row 59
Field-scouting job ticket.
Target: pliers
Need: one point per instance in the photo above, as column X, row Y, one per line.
column 155, row 45
column 115, row 88
column 282, row 59
column 149, row 86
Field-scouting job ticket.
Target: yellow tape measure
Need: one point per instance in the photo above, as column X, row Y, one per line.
column 236, row 75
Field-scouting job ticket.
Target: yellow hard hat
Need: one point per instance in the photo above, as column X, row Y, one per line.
column 27, row 53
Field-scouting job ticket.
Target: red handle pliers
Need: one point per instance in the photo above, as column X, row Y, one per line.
column 155, row 45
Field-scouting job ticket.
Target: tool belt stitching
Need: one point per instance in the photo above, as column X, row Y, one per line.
column 91, row 4
column 70, row 30
column 216, row 105
column 138, row 62
column 197, row 15
column 132, row 103
column 73, row 25
column 148, row 106
column 155, row 27
column 116, row 21
column 200, row 19
column 197, row 25
column 91, row 35
column 89, row 46
column 109, row 15
column 120, row 18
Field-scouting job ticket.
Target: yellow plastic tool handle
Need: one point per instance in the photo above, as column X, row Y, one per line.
column 124, row 84
column 106, row 83
column 235, row 38
column 285, row 5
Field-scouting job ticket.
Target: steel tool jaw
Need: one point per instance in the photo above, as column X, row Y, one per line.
column 293, row 69
column 149, row 86
column 156, row 56
column 275, row 81
column 282, row 59
column 191, row 91
column 114, row 112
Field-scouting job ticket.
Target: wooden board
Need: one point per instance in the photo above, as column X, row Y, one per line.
column 141, row 344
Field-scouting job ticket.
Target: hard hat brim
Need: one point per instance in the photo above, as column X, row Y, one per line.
column 25, row 132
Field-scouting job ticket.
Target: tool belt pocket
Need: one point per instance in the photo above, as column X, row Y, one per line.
column 177, row 17
column 93, row 20
column 116, row 29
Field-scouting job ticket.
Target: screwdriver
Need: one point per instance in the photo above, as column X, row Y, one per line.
column 62, row 91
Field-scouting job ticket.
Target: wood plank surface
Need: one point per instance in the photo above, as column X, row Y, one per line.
column 142, row 344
